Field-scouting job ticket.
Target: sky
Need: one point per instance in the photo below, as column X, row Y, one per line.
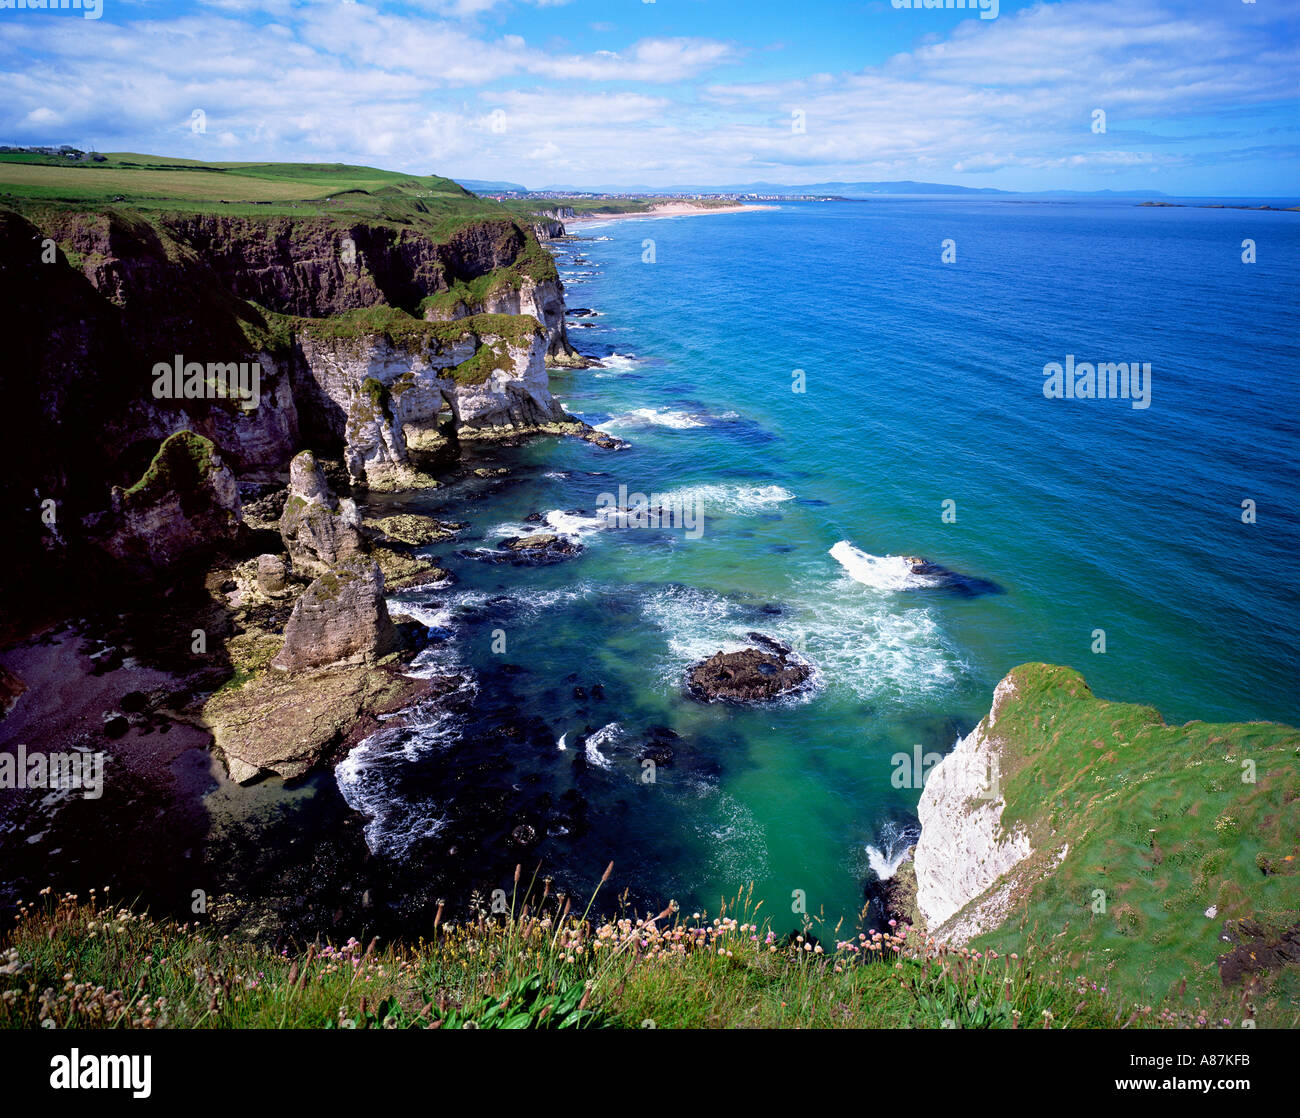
column 1196, row 97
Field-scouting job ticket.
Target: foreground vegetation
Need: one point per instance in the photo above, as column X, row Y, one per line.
column 72, row 962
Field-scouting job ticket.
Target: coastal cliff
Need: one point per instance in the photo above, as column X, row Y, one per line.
column 367, row 340
column 1094, row 824
column 173, row 359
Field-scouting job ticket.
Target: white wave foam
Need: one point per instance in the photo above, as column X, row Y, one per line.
column 608, row 735
column 895, row 842
column 880, row 572
column 655, row 417
column 861, row 643
column 739, row 500
column 370, row 776
column 618, row 363
column 666, row 417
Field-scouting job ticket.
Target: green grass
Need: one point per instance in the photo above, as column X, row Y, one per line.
column 153, row 184
column 183, row 462
column 1158, row 819
column 69, row 962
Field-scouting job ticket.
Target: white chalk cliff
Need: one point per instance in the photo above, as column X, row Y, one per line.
column 964, row 850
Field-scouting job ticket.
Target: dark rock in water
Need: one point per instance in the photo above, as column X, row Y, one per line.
column 664, row 733
column 598, row 692
column 524, row 835
column 579, row 312
column 115, row 725
column 579, row 692
column 541, row 548
column 533, row 518
column 967, row 586
column 604, row 441
column 657, row 752
column 751, row 675
column 894, row 898
column 771, row 609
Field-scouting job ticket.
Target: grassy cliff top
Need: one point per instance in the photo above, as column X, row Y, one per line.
column 1172, row 831
column 152, row 183
column 405, row 330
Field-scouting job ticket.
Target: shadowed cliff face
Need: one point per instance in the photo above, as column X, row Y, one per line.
column 96, row 301
column 315, row 268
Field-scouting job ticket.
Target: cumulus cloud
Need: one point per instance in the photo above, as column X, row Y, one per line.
column 414, row 86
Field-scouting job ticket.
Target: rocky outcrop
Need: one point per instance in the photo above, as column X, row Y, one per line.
column 286, row 723
column 318, row 529
column 184, row 508
column 542, row 547
column 341, row 618
column 385, row 395
column 548, row 230
column 544, row 300
column 515, row 396
column 414, row 530
column 751, row 675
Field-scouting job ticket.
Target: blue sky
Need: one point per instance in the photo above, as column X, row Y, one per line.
column 1199, row 96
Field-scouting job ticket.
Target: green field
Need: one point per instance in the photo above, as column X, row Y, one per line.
column 160, row 183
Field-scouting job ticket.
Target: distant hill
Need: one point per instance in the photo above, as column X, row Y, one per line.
column 853, row 190
column 483, row 186
column 841, row 189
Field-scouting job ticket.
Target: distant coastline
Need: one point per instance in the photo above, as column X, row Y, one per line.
column 665, row 209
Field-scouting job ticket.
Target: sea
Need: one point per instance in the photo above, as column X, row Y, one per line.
column 826, row 391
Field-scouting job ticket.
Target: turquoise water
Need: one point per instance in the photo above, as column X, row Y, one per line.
column 923, row 386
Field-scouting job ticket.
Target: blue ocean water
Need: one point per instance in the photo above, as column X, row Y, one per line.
column 922, row 390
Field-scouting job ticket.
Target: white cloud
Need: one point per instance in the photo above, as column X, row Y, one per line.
column 359, row 81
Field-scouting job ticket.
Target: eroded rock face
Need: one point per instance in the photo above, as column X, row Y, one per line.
column 545, row 302
column 341, row 617
column 752, row 675
column 185, row 507
column 511, row 399
column 319, row 530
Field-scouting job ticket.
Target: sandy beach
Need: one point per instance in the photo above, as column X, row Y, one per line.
column 665, row 209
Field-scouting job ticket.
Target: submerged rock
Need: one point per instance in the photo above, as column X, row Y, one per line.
column 751, row 675
column 342, row 616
